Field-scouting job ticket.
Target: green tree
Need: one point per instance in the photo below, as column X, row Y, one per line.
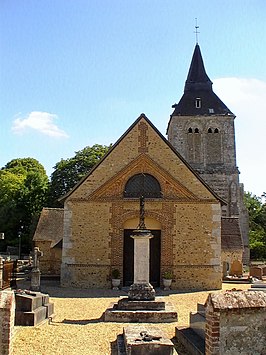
column 257, row 225
column 69, row 172
column 23, row 193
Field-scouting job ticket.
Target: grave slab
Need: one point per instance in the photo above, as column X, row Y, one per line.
column 146, row 340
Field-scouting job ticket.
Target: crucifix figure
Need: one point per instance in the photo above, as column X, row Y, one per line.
column 142, row 213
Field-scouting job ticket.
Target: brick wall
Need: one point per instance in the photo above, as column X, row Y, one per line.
column 236, row 323
column 7, row 321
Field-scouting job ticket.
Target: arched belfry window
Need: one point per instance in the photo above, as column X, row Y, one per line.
column 144, row 185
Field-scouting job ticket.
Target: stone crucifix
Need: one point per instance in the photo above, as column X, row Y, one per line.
column 35, row 272
column 141, row 288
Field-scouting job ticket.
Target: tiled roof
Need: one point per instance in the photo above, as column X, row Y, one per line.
column 50, row 226
column 230, row 234
column 199, row 86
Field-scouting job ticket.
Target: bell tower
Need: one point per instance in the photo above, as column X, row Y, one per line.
column 201, row 128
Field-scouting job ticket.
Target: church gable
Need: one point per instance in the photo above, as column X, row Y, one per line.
column 171, row 188
column 142, row 149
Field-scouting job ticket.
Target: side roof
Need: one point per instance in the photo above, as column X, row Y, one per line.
column 50, row 226
column 142, row 116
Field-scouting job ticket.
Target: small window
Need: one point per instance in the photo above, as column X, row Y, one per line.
column 216, row 130
column 211, row 110
column 209, row 130
column 198, row 102
column 196, row 130
column 190, row 130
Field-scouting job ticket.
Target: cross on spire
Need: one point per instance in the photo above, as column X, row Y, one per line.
column 196, row 30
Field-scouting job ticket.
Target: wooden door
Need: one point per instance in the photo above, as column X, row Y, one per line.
column 155, row 258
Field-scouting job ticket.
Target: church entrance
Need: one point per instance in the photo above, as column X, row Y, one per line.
column 155, row 258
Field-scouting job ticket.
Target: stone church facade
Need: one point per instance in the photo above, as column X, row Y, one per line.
column 182, row 212
column 193, row 199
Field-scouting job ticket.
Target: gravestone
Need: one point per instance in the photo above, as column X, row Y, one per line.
column 236, row 268
column 256, row 271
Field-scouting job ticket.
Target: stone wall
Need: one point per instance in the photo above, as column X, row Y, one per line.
column 50, row 262
column 208, row 144
column 7, row 321
column 235, row 323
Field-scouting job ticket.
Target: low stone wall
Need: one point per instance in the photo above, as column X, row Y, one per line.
column 235, row 323
column 7, row 321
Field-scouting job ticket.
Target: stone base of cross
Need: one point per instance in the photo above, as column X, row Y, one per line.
column 141, row 289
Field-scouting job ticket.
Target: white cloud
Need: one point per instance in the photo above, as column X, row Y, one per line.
column 246, row 98
column 38, row 121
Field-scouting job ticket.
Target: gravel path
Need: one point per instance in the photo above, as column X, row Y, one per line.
column 77, row 327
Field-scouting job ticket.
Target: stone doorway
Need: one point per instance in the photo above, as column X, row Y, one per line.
column 155, row 258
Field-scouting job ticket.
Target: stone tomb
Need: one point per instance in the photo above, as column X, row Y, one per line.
column 146, row 340
column 32, row 308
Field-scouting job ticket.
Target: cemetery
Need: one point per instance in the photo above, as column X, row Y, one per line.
column 146, row 254
column 40, row 317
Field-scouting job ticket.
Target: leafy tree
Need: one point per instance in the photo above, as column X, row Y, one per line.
column 69, row 172
column 23, row 189
column 257, row 225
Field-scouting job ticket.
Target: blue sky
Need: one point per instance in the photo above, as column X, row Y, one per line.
column 79, row 72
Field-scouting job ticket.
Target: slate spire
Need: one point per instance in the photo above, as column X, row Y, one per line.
column 197, row 77
column 199, row 98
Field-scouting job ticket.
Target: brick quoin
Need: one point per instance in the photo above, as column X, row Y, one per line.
column 7, row 320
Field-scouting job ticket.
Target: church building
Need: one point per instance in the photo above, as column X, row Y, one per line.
column 193, row 199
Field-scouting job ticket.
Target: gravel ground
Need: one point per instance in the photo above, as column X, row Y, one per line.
column 77, row 327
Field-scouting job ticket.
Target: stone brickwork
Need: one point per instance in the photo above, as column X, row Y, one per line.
column 96, row 214
column 235, row 323
column 7, row 321
column 208, row 144
column 50, row 262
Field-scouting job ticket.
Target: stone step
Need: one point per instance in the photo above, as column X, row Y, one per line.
column 201, row 308
column 198, row 323
column 113, row 314
column 257, row 289
column 191, row 341
column 126, row 304
column 258, row 285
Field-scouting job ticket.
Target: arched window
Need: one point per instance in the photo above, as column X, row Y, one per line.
column 190, row 130
column 209, row 130
column 196, row 130
column 142, row 185
column 216, row 130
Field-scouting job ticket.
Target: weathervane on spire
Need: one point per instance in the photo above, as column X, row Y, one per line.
column 196, row 30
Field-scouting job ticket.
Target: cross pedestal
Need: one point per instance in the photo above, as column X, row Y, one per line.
column 141, row 289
